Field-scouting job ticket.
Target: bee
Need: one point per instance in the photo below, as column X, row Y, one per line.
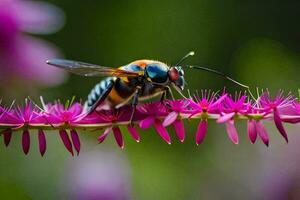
column 137, row 81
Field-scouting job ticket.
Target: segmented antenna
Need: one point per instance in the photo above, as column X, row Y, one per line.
column 191, row 53
column 224, row 76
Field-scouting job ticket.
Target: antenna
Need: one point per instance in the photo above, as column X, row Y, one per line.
column 224, row 76
column 191, row 53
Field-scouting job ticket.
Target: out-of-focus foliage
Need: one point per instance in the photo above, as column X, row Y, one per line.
column 256, row 42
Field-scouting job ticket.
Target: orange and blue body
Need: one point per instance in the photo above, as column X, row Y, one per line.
column 153, row 80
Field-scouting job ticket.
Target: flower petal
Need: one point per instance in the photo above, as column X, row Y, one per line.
column 279, row 124
column 66, row 140
column 104, row 135
column 75, row 109
column 232, row 132
column 201, row 131
column 26, row 141
column 262, row 132
column 162, row 131
column 38, row 17
column 179, row 129
column 7, row 136
column 251, row 130
column 75, row 140
column 118, row 136
column 32, row 53
column 42, row 142
column 170, row 118
column 133, row 132
column 147, row 122
column 225, row 117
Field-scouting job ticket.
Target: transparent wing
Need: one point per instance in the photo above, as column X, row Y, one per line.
column 86, row 69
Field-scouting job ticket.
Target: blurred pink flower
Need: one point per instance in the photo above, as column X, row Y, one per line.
column 279, row 176
column 97, row 175
column 22, row 57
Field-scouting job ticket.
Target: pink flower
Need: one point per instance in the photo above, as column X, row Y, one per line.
column 205, row 106
column 21, row 118
column 59, row 115
column 274, row 105
column 255, row 126
column 208, row 104
column 100, row 174
column 110, row 117
column 22, row 57
column 154, row 111
column 229, row 109
column 176, row 107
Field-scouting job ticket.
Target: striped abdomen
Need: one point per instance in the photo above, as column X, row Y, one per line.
column 115, row 92
column 99, row 93
column 111, row 90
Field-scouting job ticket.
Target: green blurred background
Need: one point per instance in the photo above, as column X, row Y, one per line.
column 256, row 42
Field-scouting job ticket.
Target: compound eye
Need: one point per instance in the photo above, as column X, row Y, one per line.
column 174, row 74
column 157, row 73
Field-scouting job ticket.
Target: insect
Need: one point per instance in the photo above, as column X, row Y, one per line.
column 138, row 80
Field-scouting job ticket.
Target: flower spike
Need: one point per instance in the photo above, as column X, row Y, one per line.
column 68, row 119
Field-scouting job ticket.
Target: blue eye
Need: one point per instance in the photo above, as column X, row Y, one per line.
column 157, row 72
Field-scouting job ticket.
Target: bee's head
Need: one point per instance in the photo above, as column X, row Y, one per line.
column 176, row 76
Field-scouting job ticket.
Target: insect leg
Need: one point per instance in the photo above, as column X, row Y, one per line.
column 167, row 93
column 135, row 101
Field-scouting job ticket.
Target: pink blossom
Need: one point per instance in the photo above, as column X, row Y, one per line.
column 229, row 109
column 22, row 57
column 274, row 105
column 99, row 174
column 112, row 116
column 176, row 107
column 205, row 106
column 58, row 114
column 21, row 118
column 255, row 126
column 154, row 111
